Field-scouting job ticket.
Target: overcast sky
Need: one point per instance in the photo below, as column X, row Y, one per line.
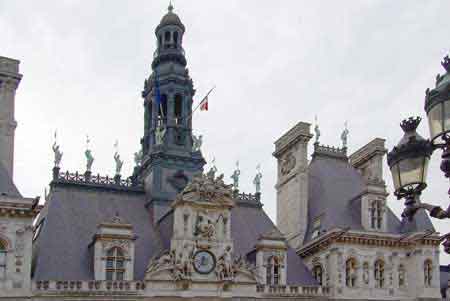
column 274, row 63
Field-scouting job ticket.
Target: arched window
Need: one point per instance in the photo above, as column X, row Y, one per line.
column 167, row 36
column 159, row 40
column 115, row 268
column 273, row 271
column 350, row 272
column 2, row 259
column 379, row 273
column 428, row 272
column 401, row 275
column 318, row 273
column 175, row 38
column 376, row 214
column 178, row 109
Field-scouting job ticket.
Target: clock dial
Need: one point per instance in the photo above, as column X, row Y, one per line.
column 204, row 262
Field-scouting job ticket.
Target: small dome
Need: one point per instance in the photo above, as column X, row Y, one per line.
column 170, row 18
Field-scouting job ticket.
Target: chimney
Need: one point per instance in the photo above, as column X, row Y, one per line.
column 9, row 81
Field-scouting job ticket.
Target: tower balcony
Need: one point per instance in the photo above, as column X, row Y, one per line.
column 169, row 52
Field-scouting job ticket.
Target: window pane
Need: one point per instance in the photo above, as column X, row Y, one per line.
column 119, row 276
column 434, row 120
column 110, row 263
column 119, row 264
column 2, row 258
column 109, row 275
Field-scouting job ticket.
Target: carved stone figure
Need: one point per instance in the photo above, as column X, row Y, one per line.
column 288, row 163
column 197, row 143
column 183, row 265
column 89, row 159
column 344, row 136
column 257, row 181
column 165, row 261
column 58, row 154
column 205, row 227
column 317, row 131
column 366, row 273
column 159, row 134
column 224, row 268
column 119, row 163
column 235, row 176
column 212, row 172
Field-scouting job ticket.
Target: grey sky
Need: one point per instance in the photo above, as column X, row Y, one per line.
column 274, row 63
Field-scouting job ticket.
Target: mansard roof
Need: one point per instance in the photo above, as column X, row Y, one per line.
column 72, row 213
column 7, row 185
column 335, row 189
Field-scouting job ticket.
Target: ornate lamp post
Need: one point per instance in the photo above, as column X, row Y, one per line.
column 408, row 161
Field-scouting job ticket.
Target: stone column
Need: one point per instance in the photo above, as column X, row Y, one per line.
column 9, row 81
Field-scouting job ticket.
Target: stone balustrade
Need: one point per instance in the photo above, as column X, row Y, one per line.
column 116, row 287
column 292, row 290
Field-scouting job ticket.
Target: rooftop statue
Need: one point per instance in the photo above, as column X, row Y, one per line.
column 119, row 163
column 316, row 130
column 212, row 171
column 197, row 143
column 159, row 134
column 235, row 176
column 257, row 179
column 138, row 158
column 58, row 154
column 344, row 136
column 88, row 154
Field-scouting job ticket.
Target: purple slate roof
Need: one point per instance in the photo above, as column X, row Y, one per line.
column 70, row 220
column 6, row 183
column 334, row 189
column 72, row 213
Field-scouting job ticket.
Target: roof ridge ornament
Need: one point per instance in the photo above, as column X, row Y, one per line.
column 410, row 124
column 170, row 8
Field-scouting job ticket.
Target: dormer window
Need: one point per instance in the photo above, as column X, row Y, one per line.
column 115, row 268
column 376, row 214
column 273, row 271
column 2, row 260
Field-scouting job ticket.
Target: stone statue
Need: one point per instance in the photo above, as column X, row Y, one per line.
column 235, row 176
column 366, row 273
column 119, row 163
column 224, row 268
column 197, row 143
column 257, row 179
column 183, row 265
column 212, row 171
column 58, row 154
column 159, row 134
column 205, row 227
column 317, row 131
column 138, row 158
column 344, row 136
column 89, row 159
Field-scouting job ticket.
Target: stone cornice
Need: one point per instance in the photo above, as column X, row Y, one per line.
column 19, row 207
column 300, row 132
column 366, row 238
column 368, row 151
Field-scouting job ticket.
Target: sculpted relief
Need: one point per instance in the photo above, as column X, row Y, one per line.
column 288, row 164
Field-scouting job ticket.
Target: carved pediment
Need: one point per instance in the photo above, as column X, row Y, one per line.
column 207, row 189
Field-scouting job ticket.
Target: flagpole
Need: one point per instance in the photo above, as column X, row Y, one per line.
column 207, row 94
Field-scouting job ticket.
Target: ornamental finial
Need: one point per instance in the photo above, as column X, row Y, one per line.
column 410, row 124
column 170, row 8
column 446, row 63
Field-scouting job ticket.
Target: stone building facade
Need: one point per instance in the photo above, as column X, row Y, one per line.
column 171, row 231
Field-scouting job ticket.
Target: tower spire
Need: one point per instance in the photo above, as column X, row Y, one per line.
column 170, row 8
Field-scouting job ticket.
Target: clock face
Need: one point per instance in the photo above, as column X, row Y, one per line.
column 204, row 262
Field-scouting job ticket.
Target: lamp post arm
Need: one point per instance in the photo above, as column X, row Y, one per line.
column 435, row 211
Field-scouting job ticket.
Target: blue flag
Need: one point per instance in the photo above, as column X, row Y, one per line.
column 157, row 91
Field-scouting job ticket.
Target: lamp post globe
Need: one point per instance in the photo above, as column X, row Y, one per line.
column 408, row 162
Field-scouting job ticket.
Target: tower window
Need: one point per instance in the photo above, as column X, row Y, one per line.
column 159, row 40
column 318, row 274
column 350, row 272
column 175, row 37
column 167, row 36
column 428, row 272
column 379, row 273
column 178, row 109
column 162, row 110
column 376, row 214
column 115, row 264
column 2, row 260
